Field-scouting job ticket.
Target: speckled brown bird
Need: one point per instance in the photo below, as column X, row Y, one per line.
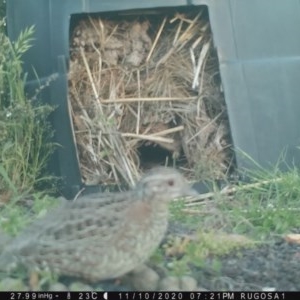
column 100, row 236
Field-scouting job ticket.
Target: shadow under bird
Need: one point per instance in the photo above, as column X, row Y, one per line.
column 100, row 236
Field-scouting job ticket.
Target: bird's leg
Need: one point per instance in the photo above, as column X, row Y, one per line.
column 34, row 280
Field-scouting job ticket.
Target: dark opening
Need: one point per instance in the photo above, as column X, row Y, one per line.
column 152, row 155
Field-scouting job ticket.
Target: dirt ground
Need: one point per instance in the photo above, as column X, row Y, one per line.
column 274, row 266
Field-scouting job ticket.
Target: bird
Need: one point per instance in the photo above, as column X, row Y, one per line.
column 100, row 236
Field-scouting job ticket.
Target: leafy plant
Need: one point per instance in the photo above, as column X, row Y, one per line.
column 2, row 9
column 25, row 133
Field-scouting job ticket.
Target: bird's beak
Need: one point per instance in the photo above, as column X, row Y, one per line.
column 191, row 192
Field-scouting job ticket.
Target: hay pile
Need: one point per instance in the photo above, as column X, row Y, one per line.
column 146, row 80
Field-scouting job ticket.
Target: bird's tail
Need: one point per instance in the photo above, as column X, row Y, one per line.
column 5, row 240
column 7, row 260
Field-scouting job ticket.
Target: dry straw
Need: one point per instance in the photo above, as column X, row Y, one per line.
column 151, row 79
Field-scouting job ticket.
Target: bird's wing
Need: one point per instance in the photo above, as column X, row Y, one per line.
column 71, row 223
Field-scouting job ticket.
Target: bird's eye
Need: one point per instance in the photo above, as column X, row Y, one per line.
column 170, row 182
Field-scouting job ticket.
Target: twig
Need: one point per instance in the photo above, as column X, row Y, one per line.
column 194, row 211
column 167, row 131
column 149, row 138
column 78, row 194
column 139, row 104
column 203, row 128
column 186, row 36
column 129, row 100
column 201, row 59
column 228, row 191
column 156, row 39
column 177, row 32
column 197, row 42
column 89, row 73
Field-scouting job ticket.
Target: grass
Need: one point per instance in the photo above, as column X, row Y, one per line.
column 228, row 224
column 269, row 209
column 25, row 142
column 25, row 134
column 14, row 218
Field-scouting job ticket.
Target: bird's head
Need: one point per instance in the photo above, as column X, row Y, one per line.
column 165, row 184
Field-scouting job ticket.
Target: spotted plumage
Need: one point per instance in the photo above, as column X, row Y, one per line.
column 100, row 236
